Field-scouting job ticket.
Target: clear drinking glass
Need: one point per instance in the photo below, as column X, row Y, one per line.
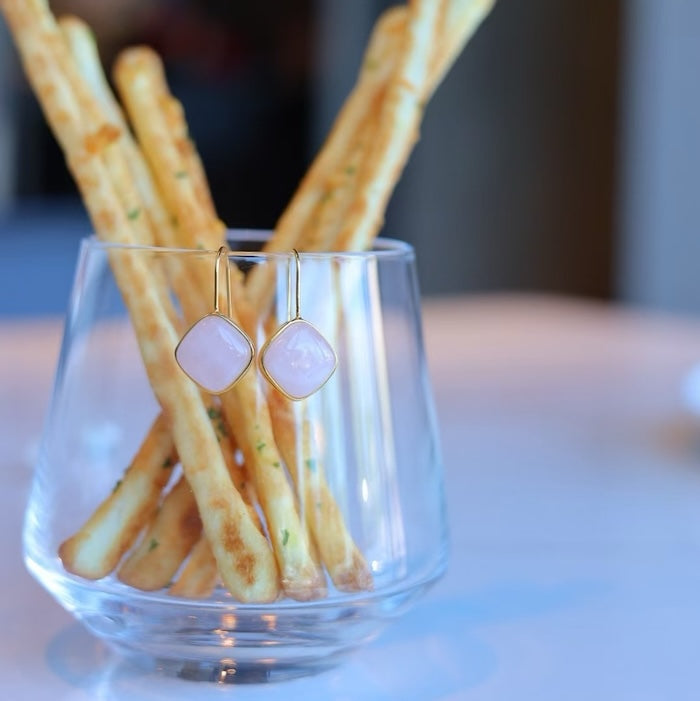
column 375, row 429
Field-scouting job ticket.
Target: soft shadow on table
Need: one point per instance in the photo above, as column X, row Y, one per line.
column 428, row 671
column 432, row 667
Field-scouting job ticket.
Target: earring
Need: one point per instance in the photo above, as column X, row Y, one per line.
column 297, row 359
column 215, row 353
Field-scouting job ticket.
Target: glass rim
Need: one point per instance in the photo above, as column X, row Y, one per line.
column 383, row 247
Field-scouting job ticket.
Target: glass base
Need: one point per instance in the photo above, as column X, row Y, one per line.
column 238, row 670
column 218, row 640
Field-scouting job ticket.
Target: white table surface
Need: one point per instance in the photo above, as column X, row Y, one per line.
column 573, row 483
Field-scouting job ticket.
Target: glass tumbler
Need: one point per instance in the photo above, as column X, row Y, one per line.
column 374, row 470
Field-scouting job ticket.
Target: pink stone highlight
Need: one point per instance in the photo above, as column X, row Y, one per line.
column 298, row 359
column 214, row 353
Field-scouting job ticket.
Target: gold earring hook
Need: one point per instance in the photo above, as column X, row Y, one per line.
column 297, row 285
column 221, row 253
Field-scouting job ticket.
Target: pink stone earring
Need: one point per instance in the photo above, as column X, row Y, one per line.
column 297, row 359
column 215, row 353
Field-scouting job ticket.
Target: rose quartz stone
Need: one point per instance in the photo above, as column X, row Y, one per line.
column 214, row 353
column 298, row 359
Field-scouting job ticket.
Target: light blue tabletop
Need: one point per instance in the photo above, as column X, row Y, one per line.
column 573, row 481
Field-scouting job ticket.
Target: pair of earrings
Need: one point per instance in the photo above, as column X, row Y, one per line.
column 215, row 353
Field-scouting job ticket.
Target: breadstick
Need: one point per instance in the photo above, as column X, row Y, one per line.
column 199, row 574
column 238, row 472
column 376, row 67
column 339, row 191
column 140, row 79
column 149, row 210
column 397, row 130
column 198, row 577
column 459, row 22
column 166, row 542
column 456, row 24
column 177, row 526
column 243, row 556
column 94, row 551
column 340, row 159
column 422, row 65
column 82, row 45
column 340, row 555
column 252, row 426
column 175, row 116
column 138, row 74
column 81, row 41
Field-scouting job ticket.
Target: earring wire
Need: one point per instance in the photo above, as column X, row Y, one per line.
column 297, row 285
column 221, row 253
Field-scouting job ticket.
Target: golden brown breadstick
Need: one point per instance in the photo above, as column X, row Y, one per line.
column 397, row 129
column 101, row 142
column 198, row 577
column 239, row 473
column 243, row 556
column 338, row 551
column 251, row 424
column 460, row 20
column 340, row 555
column 341, row 158
column 175, row 116
column 244, row 406
column 95, row 550
column 377, row 65
column 339, row 192
column 148, row 211
column 166, row 542
column 138, row 74
column 195, row 305
column 154, row 113
column 81, row 43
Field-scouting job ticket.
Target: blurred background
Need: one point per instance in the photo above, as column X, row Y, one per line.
column 561, row 154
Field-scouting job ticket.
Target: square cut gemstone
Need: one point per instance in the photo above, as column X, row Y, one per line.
column 298, row 360
column 214, row 353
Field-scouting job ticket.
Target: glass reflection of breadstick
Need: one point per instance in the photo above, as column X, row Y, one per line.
column 243, row 555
